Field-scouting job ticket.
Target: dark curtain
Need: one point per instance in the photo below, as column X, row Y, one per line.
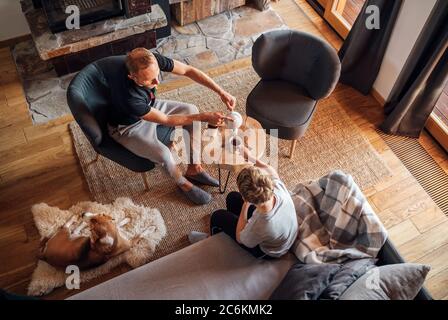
column 423, row 78
column 362, row 53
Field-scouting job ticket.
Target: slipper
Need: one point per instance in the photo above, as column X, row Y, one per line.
column 204, row 178
column 197, row 195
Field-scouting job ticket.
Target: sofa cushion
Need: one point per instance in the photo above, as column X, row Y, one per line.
column 390, row 282
column 346, row 276
column 214, row 268
column 305, row 281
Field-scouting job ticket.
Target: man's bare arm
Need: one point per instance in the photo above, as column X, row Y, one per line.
column 203, row 79
column 157, row 116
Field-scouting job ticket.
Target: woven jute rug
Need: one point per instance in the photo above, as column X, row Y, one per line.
column 331, row 142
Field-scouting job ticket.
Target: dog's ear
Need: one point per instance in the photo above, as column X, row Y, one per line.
column 108, row 217
column 93, row 235
column 104, row 217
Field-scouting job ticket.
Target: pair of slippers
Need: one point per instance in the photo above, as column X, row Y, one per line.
column 196, row 194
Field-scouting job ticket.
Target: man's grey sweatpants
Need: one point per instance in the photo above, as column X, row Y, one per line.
column 141, row 137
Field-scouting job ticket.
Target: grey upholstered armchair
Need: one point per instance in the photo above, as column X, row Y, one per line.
column 297, row 69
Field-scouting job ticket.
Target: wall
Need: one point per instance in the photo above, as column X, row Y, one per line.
column 412, row 17
column 12, row 20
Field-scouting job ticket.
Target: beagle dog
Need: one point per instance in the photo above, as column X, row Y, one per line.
column 68, row 247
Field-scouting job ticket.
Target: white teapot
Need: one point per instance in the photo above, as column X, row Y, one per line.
column 236, row 123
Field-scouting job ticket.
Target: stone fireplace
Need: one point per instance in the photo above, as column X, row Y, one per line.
column 110, row 27
column 90, row 10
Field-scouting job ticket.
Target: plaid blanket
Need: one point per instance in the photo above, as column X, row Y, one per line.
column 336, row 223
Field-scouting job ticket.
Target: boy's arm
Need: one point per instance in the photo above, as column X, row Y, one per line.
column 242, row 220
column 258, row 163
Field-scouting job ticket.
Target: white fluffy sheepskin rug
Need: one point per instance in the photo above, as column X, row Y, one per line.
column 145, row 230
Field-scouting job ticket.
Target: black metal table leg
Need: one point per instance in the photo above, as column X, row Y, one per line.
column 222, row 191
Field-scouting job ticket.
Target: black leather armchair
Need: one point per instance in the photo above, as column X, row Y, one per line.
column 88, row 97
column 296, row 69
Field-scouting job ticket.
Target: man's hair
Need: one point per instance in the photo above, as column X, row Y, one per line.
column 138, row 59
column 254, row 186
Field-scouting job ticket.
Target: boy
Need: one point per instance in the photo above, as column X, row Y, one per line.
column 261, row 217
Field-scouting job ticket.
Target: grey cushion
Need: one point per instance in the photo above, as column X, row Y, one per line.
column 281, row 105
column 390, row 282
column 214, row 268
column 390, row 255
column 346, row 276
column 305, row 281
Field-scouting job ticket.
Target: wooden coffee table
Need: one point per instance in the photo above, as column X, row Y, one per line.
column 254, row 137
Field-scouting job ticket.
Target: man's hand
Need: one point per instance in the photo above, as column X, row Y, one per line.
column 215, row 118
column 200, row 77
column 229, row 100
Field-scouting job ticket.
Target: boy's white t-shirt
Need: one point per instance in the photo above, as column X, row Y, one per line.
column 276, row 230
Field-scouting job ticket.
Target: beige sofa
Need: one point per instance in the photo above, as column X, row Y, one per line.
column 215, row 268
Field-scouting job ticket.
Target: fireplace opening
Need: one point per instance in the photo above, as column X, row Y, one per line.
column 90, row 10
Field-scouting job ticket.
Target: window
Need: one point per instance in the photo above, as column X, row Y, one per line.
column 437, row 124
column 340, row 14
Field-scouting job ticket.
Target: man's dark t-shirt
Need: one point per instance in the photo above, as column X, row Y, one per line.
column 129, row 101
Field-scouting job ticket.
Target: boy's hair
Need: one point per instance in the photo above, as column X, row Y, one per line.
column 138, row 59
column 254, row 186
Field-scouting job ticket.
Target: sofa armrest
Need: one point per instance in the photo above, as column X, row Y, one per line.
column 216, row 268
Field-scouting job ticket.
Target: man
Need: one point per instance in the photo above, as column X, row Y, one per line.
column 136, row 113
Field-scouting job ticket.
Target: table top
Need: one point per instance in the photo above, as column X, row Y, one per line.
column 226, row 155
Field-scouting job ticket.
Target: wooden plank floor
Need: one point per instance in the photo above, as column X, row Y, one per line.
column 38, row 164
